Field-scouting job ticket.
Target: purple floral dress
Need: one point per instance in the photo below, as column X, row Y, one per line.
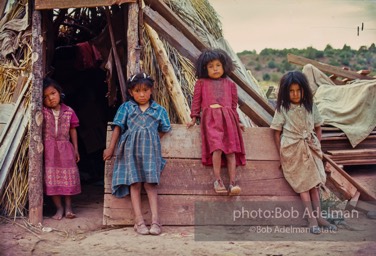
column 61, row 176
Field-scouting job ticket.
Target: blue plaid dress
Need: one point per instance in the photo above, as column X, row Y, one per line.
column 138, row 152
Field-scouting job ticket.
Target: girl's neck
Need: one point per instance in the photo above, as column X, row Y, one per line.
column 57, row 108
column 144, row 107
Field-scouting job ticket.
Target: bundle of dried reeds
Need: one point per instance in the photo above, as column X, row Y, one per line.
column 15, row 62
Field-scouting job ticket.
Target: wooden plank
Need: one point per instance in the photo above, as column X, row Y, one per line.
column 353, row 152
column 185, row 143
column 364, row 194
column 339, row 72
column 190, row 177
column 351, row 204
column 12, row 142
column 180, row 209
column 338, row 184
column 171, row 34
column 6, row 111
column 65, row 4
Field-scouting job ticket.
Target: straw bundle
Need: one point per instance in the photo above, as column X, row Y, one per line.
column 15, row 61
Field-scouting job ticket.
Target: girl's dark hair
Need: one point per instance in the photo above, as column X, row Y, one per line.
column 213, row 54
column 140, row 78
column 294, row 77
column 47, row 82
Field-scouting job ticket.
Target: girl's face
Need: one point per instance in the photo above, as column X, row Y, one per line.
column 215, row 69
column 141, row 94
column 296, row 94
column 51, row 98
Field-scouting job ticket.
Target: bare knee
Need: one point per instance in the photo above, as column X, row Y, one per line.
column 149, row 187
column 136, row 186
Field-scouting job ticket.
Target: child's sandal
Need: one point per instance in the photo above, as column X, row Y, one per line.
column 219, row 188
column 155, row 229
column 234, row 190
column 141, row 229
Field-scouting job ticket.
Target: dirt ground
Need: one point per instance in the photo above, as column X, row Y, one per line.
column 85, row 235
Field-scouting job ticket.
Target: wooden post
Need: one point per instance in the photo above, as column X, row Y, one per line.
column 133, row 65
column 116, row 56
column 36, row 144
column 173, row 86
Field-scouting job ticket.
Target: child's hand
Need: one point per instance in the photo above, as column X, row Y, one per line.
column 192, row 122
column 77, row 157
column 107, row 154
column 242, row 127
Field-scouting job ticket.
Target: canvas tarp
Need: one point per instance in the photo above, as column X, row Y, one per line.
column 350, row 107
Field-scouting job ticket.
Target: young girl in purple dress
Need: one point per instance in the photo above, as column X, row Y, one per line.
column 61, row 176
column 216, row 97
column 137, row 128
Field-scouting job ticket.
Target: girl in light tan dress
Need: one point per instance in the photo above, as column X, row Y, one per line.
column 297, row 135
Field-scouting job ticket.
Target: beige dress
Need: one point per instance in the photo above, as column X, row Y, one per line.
column 300, row 153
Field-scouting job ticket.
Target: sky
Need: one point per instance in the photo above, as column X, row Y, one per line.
column 278, row 24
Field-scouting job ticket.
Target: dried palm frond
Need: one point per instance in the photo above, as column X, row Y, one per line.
column 13, row 200
column 13, row 65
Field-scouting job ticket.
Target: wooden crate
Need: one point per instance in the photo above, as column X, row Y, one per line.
column 185, row 181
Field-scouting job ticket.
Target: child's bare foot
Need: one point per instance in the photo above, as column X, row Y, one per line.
column 70, row 215
column 58, row 215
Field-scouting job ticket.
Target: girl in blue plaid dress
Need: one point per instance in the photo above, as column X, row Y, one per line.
column 137, row 128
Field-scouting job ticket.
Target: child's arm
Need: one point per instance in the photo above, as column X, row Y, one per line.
column 277, row 139
column 73, row 135
column 318, row 132
column 109, row 151
column 196, row 103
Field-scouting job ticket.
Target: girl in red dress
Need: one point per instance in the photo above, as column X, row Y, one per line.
column 216, row 97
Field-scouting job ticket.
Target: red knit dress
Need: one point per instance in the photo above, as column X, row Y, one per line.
column 220, row 128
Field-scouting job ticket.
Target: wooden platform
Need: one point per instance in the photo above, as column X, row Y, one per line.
column 185, row 181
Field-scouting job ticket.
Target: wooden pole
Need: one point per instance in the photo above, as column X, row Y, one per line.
column 119, row 69
column 36, row 144
column 173, row 86
column 133, row 48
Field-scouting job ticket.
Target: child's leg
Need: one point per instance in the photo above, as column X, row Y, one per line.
column 68, row 208
column 136, row 202
column 152, row 192
column 219, row 187
column 217, row 159
column 308, row 211
column 315, row 195
column 59, row 207
column 234, row 189
column 231, row 166
column 139, row 225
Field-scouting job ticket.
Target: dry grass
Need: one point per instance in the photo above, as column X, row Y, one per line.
column 14, row 65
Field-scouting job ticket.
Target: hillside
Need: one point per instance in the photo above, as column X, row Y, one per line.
column 269, row 66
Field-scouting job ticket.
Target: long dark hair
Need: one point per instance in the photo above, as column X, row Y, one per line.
column 137, row 79
column 294, row 77
column 213, row 54
column 47, row 82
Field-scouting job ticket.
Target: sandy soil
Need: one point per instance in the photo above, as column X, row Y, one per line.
column 85, row 235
